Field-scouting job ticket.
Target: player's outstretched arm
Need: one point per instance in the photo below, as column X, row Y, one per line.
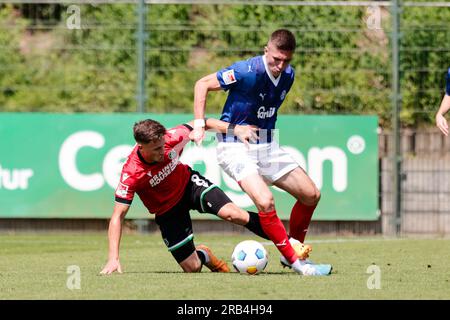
column 245, row 133
column 114, row 235
column 441, row 122
column 201, row 89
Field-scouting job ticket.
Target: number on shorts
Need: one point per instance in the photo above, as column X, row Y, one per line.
column 199, row 181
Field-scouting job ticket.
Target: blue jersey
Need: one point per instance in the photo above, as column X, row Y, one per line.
column 447, row 87
column 254, row 94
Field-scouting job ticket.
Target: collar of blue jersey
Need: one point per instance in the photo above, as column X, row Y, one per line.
column 272, row 78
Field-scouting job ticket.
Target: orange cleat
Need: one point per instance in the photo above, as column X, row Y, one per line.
column 302, row 250
column 214, row 264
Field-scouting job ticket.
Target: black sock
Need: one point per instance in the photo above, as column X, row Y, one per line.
column 254, row 225
column 201, row 256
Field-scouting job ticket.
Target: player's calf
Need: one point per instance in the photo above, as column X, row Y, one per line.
column 231, row 212
column 192, row 263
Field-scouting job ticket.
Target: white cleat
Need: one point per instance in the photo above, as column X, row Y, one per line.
column 308, row 268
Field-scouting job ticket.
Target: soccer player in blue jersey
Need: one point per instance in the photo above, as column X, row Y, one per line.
column 441, row 122
column 256, row 89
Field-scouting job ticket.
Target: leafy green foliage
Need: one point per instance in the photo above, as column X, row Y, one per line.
column 343, row 66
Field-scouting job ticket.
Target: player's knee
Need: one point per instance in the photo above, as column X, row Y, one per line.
column 313, row 197
column 265, row 204
column 231, row 212
column 316, row 197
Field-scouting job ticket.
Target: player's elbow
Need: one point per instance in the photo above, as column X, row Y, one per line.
column 200, row 86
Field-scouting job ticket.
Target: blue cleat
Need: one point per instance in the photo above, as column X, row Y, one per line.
column 309, row 268
column 323, row 269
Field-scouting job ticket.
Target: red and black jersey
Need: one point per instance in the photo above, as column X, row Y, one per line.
column 160, row 185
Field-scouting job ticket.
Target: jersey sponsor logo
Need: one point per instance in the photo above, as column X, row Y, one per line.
column 163, row 173
column 122, row 190
column 283, row 95
column 228, row 77
column 263, row 113
column 125, row 176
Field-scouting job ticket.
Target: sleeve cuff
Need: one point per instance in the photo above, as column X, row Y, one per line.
column 123, row 201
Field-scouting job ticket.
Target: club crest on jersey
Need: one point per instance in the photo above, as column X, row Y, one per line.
column 228, row 77
column 172, row 154
column 283, row 95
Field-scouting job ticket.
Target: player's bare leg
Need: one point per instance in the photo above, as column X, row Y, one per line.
column 191, row 263
column 194, row 264
column 299, row 185
column 259, row 192
column 251, row 220
column 231, row 212
column 213, row 263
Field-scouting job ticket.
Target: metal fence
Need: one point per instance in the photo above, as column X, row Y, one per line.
column 354, row 57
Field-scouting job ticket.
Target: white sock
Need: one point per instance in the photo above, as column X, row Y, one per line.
column 205, row 254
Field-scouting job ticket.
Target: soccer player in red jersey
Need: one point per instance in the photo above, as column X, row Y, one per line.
column 169, row 189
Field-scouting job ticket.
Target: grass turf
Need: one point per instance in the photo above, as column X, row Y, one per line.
column 35, row 266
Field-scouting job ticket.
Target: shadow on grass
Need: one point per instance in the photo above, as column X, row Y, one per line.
column 181, row 272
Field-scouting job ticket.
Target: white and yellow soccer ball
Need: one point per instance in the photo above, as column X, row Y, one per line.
column 249, row 257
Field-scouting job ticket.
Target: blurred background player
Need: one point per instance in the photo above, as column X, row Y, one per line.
column 257, row 87
column 441, row 123
column 169, row 189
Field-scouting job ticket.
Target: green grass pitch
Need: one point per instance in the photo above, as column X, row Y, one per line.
column 35, row 266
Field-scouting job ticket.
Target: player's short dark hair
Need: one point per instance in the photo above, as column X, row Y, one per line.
column 283, row 39
column 148, row 130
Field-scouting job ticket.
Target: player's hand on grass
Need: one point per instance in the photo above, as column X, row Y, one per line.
column 197, row 135
column 246, row 133
column 112, row 266
column 441, row 123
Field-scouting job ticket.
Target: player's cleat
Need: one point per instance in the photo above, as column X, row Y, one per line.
column 309, row 268
column 302, row 250
column 214, row 264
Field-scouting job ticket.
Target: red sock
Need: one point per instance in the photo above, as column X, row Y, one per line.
column 300, row 219
column 275, row 230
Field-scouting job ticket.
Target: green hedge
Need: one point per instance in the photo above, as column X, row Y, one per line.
column 342, row 66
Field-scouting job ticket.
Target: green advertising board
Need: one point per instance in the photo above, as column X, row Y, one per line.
column 67, row 166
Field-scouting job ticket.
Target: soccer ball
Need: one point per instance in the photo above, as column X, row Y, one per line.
column 249, row 257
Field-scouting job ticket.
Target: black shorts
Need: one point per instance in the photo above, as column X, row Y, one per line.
column 176, row 225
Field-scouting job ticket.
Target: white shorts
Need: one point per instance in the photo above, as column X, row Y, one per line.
column 266, row 159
